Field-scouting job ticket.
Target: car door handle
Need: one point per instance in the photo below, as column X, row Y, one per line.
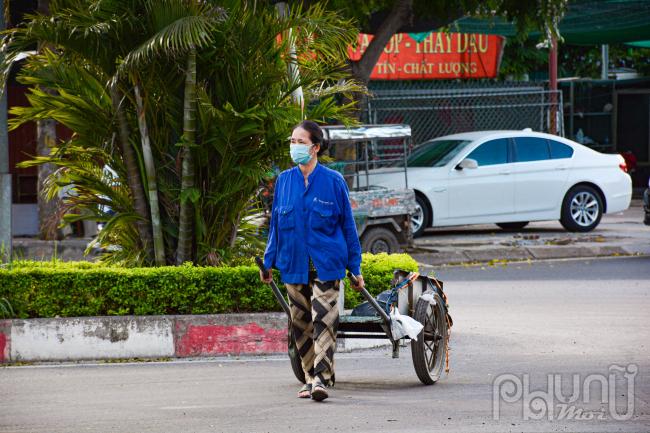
column 505, row 172
column 562, row 167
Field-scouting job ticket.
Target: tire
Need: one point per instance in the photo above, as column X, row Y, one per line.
column 646, row 207
column 429, row 352
column 513, row 226
column 421, row 218
column 294, row 356
column 379, row 240
column 582, row 209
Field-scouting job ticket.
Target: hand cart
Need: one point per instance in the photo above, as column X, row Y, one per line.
column 417, row 296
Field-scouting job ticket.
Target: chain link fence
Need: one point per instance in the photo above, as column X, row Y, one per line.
column 434, row 109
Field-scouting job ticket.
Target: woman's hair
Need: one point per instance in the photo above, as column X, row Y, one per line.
column 315, row 134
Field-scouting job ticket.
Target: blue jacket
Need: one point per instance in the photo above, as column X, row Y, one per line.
column 314, row 221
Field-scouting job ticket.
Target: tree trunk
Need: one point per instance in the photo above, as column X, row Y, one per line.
column 152, row 187
column 47, row 209
column 398, row 17
column 185, row 238
column 133, row 173
column 45, row 140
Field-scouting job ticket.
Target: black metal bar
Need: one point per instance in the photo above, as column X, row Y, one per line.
column 276, row 291
column 361, row 335
column 371, row 300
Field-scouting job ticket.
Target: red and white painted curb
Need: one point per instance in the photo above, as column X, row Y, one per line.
column 91, row 338
column 123, row 337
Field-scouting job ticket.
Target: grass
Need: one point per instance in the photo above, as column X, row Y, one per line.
column 6, row 312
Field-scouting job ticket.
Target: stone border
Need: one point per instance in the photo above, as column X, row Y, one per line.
column 123, row 337
column 484, row 255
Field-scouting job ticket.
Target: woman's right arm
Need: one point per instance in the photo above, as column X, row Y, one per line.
column 272, row 241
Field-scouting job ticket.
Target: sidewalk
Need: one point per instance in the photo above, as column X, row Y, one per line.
column 618, row 234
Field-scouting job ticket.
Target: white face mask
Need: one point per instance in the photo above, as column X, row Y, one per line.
column 300, row 153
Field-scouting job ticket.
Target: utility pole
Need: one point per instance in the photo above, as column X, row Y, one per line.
column 604, row 67
column 5, row 176
column 552, row 81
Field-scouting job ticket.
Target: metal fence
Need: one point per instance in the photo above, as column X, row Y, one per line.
column 436, row 111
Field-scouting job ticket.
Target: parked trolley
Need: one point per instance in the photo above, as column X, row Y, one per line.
column 382, row 215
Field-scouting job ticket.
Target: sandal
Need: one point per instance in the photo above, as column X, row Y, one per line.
column 305, row 391
column 319, row 393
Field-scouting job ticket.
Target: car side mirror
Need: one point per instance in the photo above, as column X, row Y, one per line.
column 467, row 163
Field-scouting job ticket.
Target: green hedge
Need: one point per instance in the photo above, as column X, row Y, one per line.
column 67, row 289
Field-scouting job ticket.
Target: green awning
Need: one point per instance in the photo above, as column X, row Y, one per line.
column 639, row 44
column 585, row 23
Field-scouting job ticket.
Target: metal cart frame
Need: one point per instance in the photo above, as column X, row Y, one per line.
column 419, row 297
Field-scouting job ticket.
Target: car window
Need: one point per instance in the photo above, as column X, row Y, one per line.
column 435, row 153
column 560, row 150
column 531, row 149
column 491, row 152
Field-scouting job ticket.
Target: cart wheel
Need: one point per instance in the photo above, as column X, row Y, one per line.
column 429, row 351
column 294, row 356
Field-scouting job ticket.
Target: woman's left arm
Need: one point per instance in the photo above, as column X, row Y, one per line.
column 349, row 227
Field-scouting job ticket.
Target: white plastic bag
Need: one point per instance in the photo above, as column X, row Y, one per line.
column 404, row 325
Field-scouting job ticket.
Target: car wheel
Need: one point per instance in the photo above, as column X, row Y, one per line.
column 582, row 209
column 379, row 240
column 420, row 219
column 513, row 226
column 646, row 206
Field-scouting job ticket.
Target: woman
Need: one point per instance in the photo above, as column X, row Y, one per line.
column 312, row 241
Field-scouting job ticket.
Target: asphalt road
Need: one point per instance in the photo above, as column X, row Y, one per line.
column 573, row 319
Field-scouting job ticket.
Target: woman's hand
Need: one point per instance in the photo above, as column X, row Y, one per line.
column 266, row 276
column 360, row 283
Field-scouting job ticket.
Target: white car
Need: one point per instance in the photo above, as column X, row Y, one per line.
column 511, row 178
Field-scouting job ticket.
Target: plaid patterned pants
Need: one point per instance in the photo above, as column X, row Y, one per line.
column 315, row 320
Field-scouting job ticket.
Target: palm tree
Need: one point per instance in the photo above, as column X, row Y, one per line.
column 175, row 29
column 205, row 84
column 152, row 187
column 88, row 32
column 45, row 140
column 188, row 173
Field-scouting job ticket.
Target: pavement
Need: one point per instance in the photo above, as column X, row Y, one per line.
column 618, row 234
column 576, row 322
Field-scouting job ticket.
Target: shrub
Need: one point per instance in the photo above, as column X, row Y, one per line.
column 377, row 270
column 67, row 289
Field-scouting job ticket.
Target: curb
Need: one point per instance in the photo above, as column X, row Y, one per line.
column 150, row 337
column 122, row 337
column 438, row 257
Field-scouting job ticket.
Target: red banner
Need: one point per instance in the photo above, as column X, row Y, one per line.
column 436, row 55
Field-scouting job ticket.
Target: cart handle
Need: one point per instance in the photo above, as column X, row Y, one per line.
column 260, row 264
column 276, row 291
